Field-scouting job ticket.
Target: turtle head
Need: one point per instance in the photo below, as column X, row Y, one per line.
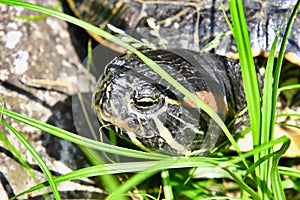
column 142, row 107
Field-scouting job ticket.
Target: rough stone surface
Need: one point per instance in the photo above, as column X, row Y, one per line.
column 38, row 65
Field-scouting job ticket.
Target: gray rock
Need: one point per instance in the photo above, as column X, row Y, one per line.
column 39, row 67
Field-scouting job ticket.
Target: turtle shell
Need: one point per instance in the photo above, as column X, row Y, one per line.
column 199, row 22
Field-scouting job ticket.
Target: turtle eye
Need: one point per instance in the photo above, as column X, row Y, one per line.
column 145, row 103
column 145, row 97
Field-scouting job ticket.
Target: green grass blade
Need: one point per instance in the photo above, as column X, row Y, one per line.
column 271, row 144
column 98, row 170
column 282, row 48
column 267, row 130
column 110, row 182
column 37, row 158
column 66, row 135
column 279, row 62
column 243, row 185
column 18, row 155
column 288, row 171
column 288, row 115
column 288, row 125
column 267, row 107
column 128, row 167
column 40, row 17
column 254, row 151
column 139, row 178
column 251, row 84
column 165, row 176
column 288, row 87
column 275, row 179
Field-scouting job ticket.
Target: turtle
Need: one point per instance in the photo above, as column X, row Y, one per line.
column 142, row 107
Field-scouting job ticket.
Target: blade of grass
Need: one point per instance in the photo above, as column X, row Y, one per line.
column 130, row 167
column 279, row 62
column 139, row 178
column 289, row 125
column 37, row 158
column 267, row 131
column 282, row 49
column 282, row 139
column 110, row 182
column 254, row 151
column 18, row 155
column 288, row 87
column 288, row 115
column 40, row 17
column 165, row 176
column 289, row 171
column 275, row 179
column 251, row 84
column 243, row 185
column 98, row 170
column 66, row 135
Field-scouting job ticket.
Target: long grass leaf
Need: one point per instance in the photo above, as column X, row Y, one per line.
column 251, row 84
column 267, row 131
column 18, row 155
column 250, row 80
column 288, row 87
column 275, row 179
column 280, row 61
column 37, row 158
column 289, row 171
column 66, row 135
column 139, row 178
column 283, row 46
column 130, row 167
column 254, row 151
column 165, row 176
column 243, row 185
column 282, row 139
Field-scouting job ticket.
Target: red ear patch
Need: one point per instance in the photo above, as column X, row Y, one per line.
column 206, row 97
